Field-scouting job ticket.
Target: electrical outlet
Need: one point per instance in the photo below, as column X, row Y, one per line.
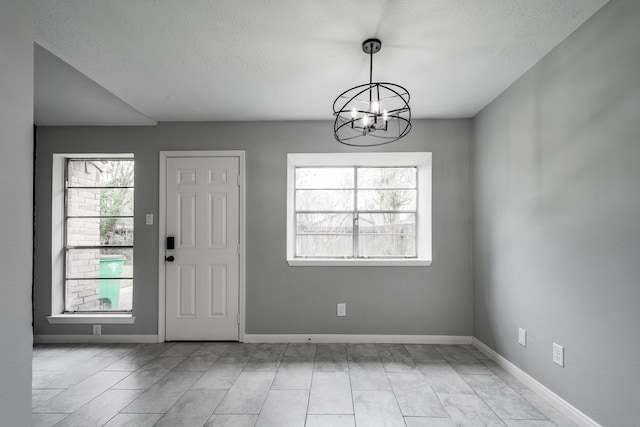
column 97, row 329
column 342, row 309
column 149, row 219
column 522, row 337
column 558, row 354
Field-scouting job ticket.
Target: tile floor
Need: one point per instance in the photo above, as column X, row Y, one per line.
column 231, row 384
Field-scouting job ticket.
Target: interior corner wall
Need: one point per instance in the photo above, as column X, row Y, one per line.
column 557, row 218
column 16, row 190
column 434, row 300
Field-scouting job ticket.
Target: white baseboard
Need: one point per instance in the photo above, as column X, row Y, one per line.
column 267, row 338
column 357, row 339
column 94, row 339
column 559, row 403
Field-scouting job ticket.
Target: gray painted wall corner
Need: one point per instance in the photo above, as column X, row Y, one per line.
column 556, row 208
column 16, row 189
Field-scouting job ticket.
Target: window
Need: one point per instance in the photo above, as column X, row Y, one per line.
column 98, row 234
column 355, row 212
column 359, row 209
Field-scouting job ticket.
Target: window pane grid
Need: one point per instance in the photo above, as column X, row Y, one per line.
column 106, row 187
column 101, row 216
column 100, row 247
column 388, row 234
column 71, row 279
column 324, row 234
column 396, row 232
column 386, row 188
column 101, row 231
column 98, row 237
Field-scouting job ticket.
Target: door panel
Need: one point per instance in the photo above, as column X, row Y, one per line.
column 186, row 221
column 202, row 284
column 186, row 292
column 218, row 220
column 218, row 292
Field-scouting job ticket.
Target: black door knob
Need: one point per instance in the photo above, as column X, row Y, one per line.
column 170, row 258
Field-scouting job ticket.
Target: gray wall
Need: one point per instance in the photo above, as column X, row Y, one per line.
column 557, row 217
column 281, row 299
column 16, row 185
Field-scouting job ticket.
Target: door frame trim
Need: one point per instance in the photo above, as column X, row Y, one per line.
column 162, row 205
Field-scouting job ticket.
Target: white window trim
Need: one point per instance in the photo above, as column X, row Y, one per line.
column 421, row 160
column 58, row 316
column 92, row 319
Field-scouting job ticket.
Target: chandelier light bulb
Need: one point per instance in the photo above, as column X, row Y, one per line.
column 385, row 115
column 354, row 113
column 375, row 107
column 365, row 120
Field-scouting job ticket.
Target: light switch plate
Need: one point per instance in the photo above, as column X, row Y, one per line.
column 342, row 309
column 149, row 219
column 522, row 337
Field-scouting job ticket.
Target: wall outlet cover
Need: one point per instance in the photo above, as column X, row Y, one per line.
column 97, row 329
column 522, row 337
column 558, row 354
column 342, row 309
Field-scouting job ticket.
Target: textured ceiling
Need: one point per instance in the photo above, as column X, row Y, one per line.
column 202, row 60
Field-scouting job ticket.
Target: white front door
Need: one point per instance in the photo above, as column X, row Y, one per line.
column 203, row 217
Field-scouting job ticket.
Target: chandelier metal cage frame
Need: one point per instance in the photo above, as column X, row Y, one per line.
column 374, row 113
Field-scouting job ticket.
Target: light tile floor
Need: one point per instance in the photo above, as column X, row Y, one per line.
column 279, row 385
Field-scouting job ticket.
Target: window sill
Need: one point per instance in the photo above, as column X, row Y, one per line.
column 370, row 262
column 90, row 319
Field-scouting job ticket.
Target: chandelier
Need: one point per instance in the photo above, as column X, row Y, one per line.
column 373, row 113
